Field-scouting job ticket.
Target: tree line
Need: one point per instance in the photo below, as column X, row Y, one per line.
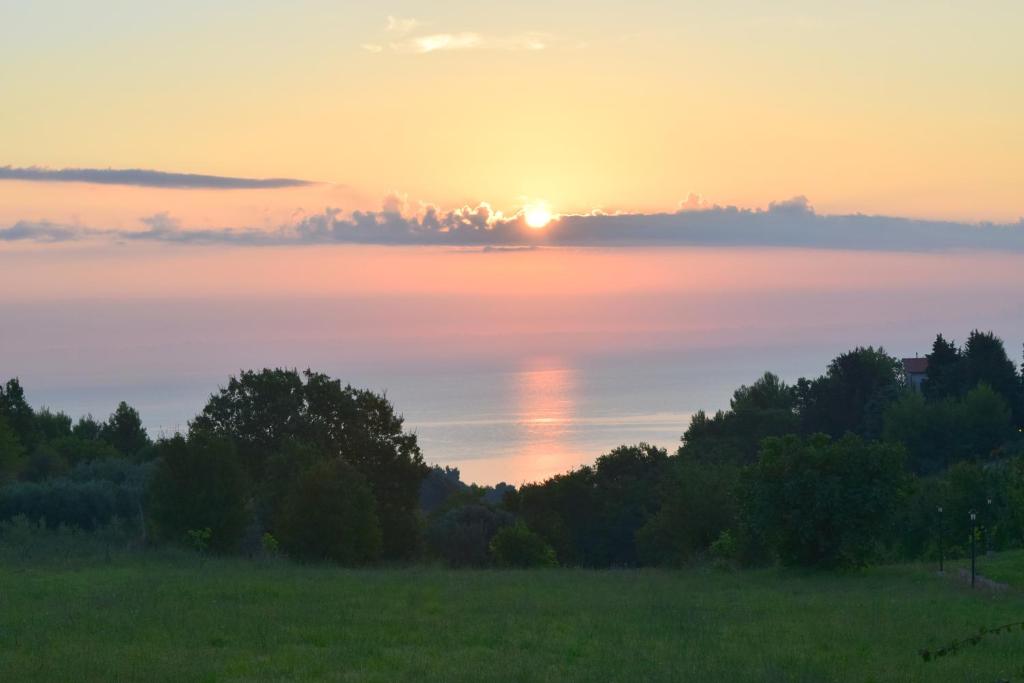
column 844, row 469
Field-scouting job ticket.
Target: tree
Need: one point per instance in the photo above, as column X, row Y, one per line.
column 765, row 408
column 986, row 421
column 947, row 376
column 124, row 431
column 77, row 450
column 698, row 501
column 87, row 428
column 563, row 510
column 330, row 515
column 823, row 502
column 852, row 394
column 199, row 483
column 929, row 431
column 11, row 452
column 988, row 363
column 940, row 432
column 462, row 536
column 18, row 413
column 264, row 411
column 626, row 482
column 591, row 516
column 50, row 425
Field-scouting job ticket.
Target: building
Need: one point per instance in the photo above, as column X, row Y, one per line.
column 915, row 371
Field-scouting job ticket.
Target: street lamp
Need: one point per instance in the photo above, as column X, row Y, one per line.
column 940, row 539
column 974, row 517
column 988, row 526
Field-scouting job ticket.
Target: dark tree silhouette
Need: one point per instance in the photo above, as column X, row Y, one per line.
column 199, row 483
column 124, row 431
column 264, row 412
column 852, row 394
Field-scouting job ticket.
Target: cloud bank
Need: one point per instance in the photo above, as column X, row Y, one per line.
column 145, row 178
column 790, row 223
column 406, row 38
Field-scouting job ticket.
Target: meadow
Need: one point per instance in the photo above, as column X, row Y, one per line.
column 167, row 615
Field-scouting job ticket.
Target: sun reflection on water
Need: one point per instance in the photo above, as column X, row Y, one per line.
column 545, row 398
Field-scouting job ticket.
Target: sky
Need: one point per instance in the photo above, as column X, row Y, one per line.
column 906, row 109
column 386, row 191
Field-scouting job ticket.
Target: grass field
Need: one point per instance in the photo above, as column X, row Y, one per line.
column 159, row 617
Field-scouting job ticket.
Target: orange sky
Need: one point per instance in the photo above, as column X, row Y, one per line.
column 903, row 109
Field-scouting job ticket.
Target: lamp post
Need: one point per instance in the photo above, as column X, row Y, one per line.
column 940, row 539
column 988, row 526
column 974, row 517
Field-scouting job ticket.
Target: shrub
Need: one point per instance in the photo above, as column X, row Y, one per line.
column 517, row 546
column 199, row 483
column 462, row 536
column 81, row 504
column 330, row 514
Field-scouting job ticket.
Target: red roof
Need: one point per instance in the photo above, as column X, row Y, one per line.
column 915, row 366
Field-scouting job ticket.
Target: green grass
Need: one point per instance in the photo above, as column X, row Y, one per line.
column 160, row 617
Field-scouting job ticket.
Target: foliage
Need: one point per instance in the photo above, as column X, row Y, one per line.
column 269, row 544
column 18, row 413
column 11, row 452
column 517, row 546
column 84, row 505
column 74, row 449
column 953, row 372
column 87, row 428
column 821, row 502
column 591, row 515
column 852, row 394
column 199, row 483
column 698, row 504
column 199, row 539
column 988, row 363
column 264, row 411
column 50, row 425
column 940, row 432
column 330, row 514
column 947, row 376
column 462, row 536
column 124, row 431
column 766, row 408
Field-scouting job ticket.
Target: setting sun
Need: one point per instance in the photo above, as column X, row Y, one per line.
column 537, row 215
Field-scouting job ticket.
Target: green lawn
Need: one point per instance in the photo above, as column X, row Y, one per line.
column 178, row 618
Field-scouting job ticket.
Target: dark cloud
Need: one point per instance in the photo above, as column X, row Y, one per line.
column 144, row 178
column 38, row 232
column 790, row 223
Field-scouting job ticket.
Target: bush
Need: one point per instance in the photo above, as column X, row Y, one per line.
column 199, row 483
column 517, row 546
column 81, row 504
column 462, row 536
column 330, row 514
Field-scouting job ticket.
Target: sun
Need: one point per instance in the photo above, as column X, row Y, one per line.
column 537, row 215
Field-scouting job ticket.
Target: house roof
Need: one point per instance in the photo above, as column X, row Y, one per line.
column 915, row 366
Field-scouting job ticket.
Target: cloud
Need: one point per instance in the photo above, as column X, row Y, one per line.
column 789, row 223
column 470, row 40
column 401, row 26
column 145, row 178
column 25, row 231
column 404, row 36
